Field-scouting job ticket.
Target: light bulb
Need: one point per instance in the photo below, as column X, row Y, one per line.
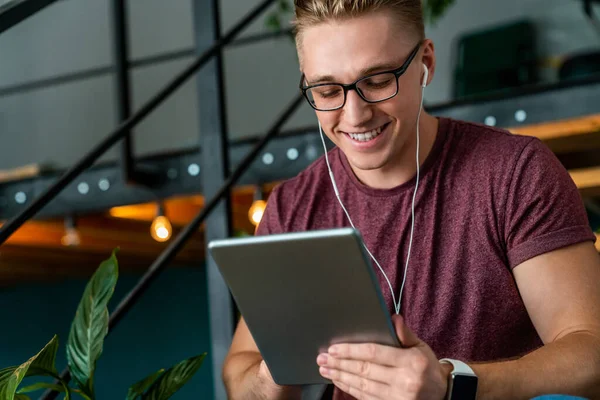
column 162, row 232
column 161, row 229
column 71, row 238
column 256, row 211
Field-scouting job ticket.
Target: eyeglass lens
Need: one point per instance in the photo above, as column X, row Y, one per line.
column 373, row 89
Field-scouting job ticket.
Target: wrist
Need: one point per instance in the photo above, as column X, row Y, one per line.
column 445, row 371
column 462, row 382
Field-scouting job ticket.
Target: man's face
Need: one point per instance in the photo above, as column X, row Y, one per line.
column 372, row 136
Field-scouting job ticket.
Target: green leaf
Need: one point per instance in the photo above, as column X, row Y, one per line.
column 22, row 397
column 40, row 364
column 62, row 388
column 284, row 6
column 40, row 386
column 46, row 359
column 36, row 371
column 5, row 374
column 139, row 388
column 90, row 325
column 434, row 9
column 273, row 23
column 79, row 392
column 174, row 379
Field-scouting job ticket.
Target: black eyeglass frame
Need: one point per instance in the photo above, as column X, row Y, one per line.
column 398, row 72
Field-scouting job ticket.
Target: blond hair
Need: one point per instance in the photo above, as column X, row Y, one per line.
column 313, row 12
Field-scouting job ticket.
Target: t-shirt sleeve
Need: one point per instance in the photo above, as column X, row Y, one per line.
column 544, row 210
column 270, row 222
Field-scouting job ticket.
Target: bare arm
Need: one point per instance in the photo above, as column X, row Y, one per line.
column 561, row 291
column 245, row 374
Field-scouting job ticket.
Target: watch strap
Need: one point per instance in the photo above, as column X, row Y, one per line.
column 459, row 366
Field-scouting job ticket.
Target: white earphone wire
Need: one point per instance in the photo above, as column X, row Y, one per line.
column 397, row 305
column 337, row 194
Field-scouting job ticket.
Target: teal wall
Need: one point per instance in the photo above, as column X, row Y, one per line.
column 169, row 324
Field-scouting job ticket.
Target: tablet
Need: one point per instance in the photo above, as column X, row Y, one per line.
column 301, row 292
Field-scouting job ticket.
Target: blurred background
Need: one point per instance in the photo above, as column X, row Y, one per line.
column 70, row 73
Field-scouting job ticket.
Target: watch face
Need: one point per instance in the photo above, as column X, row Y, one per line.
column 464, row 387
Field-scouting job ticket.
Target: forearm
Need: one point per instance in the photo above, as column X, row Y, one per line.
column 243, row 381
column 570, row 365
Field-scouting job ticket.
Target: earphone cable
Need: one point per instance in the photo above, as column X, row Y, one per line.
column 397, row 305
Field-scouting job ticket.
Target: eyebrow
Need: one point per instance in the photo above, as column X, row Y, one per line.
column 366, row 71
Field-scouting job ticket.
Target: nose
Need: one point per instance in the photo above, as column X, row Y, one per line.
column 356, row 111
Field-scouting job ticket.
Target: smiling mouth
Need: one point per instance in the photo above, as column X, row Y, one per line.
column 367, row 136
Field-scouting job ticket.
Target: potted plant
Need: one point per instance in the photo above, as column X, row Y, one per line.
column 84, row 347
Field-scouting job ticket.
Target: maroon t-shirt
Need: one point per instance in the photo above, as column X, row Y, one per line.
column 487, row 201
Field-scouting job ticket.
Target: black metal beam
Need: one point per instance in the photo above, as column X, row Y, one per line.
column 122, row 84
column 588, row 9
column 16, row 11
column 212, row 119
column 62, row 79
column 91, row 73
column 33, row 208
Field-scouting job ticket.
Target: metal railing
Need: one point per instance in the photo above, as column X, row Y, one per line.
column 123, row 129
column 120, row 133
column 15, row 11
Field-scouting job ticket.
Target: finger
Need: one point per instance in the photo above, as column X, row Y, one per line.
column 358, row 386
column 406, row 336
column 372, row 352
column 365, row 369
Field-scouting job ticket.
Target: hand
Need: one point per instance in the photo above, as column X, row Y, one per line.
column 371, row 371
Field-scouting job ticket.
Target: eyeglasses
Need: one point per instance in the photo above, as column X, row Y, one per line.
column 373, row 88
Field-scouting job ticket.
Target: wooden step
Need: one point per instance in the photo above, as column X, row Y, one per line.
column 587, row 180
column 564, row 136
column 25, row 172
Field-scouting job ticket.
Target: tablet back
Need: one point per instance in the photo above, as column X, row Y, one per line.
column 300, row 293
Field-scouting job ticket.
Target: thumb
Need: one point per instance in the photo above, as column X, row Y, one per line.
column 406, row 336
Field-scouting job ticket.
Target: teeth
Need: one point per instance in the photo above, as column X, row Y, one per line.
column 365, row 136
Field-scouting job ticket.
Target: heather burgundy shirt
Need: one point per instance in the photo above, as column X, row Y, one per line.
column 487, row 201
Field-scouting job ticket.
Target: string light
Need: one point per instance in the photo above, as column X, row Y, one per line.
column 71, row 237
column 161, row 229
column 257, row 209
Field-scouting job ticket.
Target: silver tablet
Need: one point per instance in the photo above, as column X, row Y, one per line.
column 301, row 292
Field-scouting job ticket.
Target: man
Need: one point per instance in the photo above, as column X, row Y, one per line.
column 499, row 271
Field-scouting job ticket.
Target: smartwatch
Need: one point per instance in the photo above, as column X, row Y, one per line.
column 462, row 383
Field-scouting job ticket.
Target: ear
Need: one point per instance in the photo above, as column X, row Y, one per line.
column 428, row 60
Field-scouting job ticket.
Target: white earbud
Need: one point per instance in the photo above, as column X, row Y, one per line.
column 426, row 76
